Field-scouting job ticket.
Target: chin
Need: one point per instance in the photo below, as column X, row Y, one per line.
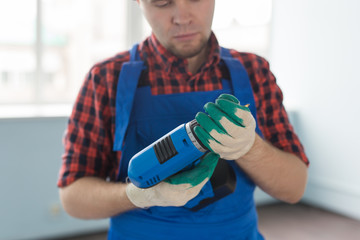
column 188, row 52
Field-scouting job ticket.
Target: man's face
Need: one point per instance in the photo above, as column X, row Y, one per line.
column 181, row 26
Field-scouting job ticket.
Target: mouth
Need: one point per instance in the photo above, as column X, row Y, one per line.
column 185, row 37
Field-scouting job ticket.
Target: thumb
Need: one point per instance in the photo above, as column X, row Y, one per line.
column 197, row 174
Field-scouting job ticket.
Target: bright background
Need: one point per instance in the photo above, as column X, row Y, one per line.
column 47, row 46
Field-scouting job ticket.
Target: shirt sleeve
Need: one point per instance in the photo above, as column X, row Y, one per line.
column 272, row 117
column 88, row 137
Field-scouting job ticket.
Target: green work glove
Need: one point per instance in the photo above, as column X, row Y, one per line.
column 228, row 130
column 176, row 190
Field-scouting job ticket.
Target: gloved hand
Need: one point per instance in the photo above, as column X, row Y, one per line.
column 176, row 190
column 228, row 130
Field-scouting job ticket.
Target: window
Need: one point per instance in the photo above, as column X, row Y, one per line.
column 17, row 40
column 47, row 46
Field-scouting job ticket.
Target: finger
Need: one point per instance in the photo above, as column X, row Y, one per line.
column 239, row 113
column 232, row 127
column 227, row 151
column 217, row 133
column 209, row 159
column 217, row 114
column 229, row 97
column 218, row 144
column 229, row 106
column 208, row 124
column 213, row 129
column 197, row 174
column 203, row 136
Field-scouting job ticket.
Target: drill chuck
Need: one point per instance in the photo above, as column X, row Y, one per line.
column 194, row 139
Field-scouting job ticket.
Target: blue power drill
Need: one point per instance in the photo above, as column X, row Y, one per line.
column 175, row 151
column 179, row 150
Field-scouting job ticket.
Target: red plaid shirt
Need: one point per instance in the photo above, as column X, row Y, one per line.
column 89, row 137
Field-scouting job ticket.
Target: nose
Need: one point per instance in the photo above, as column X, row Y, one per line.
column 182, row 13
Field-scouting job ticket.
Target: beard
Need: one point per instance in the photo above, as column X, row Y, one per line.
column 188, row 50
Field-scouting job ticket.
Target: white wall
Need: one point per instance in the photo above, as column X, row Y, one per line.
column 315, row 54
column 30, row 157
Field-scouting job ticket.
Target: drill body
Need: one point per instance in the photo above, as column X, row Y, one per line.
column 170, row 154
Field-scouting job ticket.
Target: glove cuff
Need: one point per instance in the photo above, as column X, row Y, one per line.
column 136, row 196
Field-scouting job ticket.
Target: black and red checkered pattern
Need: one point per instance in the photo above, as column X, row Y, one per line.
column 89, row 136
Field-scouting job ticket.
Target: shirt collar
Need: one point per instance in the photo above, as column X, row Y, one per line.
column 167, row 60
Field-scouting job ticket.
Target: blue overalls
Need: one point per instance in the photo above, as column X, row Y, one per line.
column 140, row 120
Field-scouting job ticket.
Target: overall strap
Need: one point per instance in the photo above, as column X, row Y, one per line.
column 240, row 82
column 134, row 54
column 126, row 88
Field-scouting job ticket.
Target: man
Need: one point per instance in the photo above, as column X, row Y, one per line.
column 173, row 74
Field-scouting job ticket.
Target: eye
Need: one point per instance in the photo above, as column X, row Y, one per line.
column 161, row 3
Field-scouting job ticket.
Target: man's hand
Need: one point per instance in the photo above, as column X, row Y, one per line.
column 176, row 190
column 228, row 130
